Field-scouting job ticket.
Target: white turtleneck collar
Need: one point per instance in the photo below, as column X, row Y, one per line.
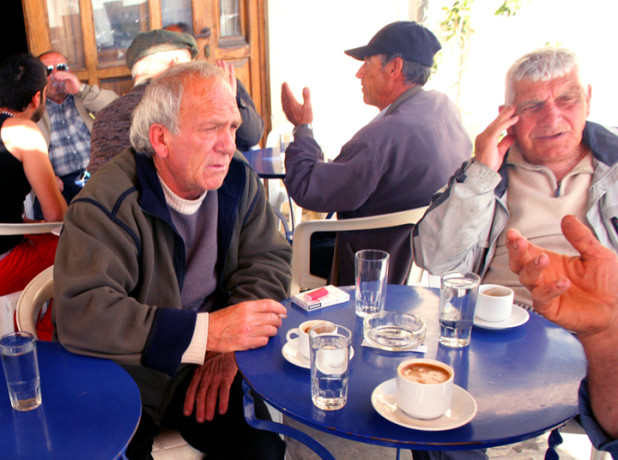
column 178, row 204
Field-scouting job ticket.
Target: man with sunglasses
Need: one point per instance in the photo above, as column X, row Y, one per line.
column 67, row 122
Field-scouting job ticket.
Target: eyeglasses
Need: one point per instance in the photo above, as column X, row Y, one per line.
column 60, row 67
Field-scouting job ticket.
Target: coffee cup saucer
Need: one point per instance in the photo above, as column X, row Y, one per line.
column 519, row 316
column 463, row 409
column 289, row 353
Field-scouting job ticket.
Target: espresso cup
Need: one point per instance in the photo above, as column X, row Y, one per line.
column 302, row 333
column 424, row 388
column 494, row 303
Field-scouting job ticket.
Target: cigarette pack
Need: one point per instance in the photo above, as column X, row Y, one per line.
column 320, row 298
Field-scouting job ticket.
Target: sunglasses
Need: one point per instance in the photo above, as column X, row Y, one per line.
column 60, row 67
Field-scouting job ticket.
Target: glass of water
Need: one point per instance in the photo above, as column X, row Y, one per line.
column 330, row 365
column 21, row 369
column 371, row 273
column 458, row 293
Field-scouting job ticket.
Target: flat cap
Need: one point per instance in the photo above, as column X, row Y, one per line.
column 157, row 41
column 407, row 38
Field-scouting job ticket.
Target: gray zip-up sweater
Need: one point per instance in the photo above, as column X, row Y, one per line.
column 460, row 229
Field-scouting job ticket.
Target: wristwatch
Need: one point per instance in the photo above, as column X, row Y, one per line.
column 302, row 125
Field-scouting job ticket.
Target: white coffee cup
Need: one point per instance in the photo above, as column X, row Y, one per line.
column 494, row 303
column 302, row 333
column 424, row 388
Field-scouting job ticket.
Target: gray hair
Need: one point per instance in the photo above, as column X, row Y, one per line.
column 161, row 101
column 540, row 65
column 413, row 72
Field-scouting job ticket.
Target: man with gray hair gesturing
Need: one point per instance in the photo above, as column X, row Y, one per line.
column 170, row 260
column 551, row 163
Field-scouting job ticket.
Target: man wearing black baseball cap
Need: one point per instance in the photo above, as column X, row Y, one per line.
column 394, row 163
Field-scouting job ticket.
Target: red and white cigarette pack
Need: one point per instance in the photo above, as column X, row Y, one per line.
column 320, row 298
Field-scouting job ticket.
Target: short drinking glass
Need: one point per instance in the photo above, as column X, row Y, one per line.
column 330, row 356
column 458, row 293
column 21, row 369
column 371, row 272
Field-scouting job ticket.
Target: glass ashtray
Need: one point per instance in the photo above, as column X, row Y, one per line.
column 394, row 331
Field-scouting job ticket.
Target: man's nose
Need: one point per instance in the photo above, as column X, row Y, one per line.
column 361, row 72
column 227, row 141
column 550, row 112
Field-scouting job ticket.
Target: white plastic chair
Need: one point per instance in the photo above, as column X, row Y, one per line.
column 169, row 444
column 29, row 228
column 8, row 303
column 302, row 279
column 36, row 294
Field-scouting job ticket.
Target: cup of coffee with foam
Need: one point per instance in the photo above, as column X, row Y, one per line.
column 424, row 388
column 494, row 303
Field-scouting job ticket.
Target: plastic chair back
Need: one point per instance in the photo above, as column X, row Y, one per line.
column 302, row 279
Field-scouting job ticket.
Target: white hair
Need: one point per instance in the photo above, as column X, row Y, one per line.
column 152, row 65
column 161, row 101
column 540, row 65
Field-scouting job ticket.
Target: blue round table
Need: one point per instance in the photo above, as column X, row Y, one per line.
column 91, row 408
column 524, row 379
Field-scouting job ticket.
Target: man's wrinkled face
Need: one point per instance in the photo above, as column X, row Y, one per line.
column 198, row 156
column 374, row 80
column 552, row 115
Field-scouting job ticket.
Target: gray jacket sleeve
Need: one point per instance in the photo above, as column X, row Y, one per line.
column 455, row 231
column 342, row 185
column 95, row 98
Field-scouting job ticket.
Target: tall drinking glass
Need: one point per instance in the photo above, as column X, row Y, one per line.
column 371, row 271
column 458, row 293
column 21, row 369
column 330, row 356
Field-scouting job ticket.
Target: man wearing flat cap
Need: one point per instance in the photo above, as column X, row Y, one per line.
column 395, row 163
column 150, row 54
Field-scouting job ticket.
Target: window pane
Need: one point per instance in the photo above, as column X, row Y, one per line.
column 65, row 31
column 229, row 21
column 116, row 23
column 177, row 12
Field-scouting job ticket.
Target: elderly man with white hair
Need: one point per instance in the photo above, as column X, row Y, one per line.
column 551, row 162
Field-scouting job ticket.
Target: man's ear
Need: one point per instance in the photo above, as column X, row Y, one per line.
column 159, row 139
column 395, row 67
column 36, row 101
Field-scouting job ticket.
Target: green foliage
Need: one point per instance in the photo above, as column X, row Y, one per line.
column 508, row 8
column 456, row 21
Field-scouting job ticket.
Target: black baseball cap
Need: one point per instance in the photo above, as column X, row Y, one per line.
column 407, row 38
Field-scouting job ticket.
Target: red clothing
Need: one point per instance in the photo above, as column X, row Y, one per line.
column 26, row 260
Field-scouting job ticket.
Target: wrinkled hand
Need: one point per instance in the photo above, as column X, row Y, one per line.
column 71, row 82
column 488, row 148
column 296, row 113
column 231, row 73
column 578, row 293
column 244, row 326
column 211, row 381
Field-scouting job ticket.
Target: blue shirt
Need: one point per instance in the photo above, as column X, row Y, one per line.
column 69, row 144
column 598, row 437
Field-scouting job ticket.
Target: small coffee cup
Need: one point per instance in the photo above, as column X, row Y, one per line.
column 424, row 388
column 302, row 333
column 494, row 303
